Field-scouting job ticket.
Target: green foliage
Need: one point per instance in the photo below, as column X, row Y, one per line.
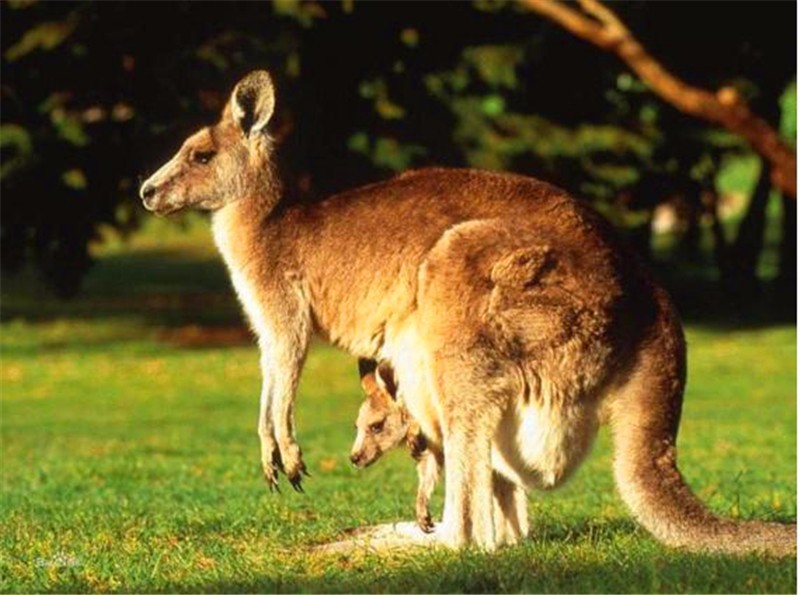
column 738, row 174
column 96, row 94
column 305, row 13
column 385, row 152
column 789, row 113
column 496, row 65
column 493, row 136
column 377, row 91
column 44, row 36
column 14, row 139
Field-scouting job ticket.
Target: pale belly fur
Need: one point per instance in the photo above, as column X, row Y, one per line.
column 538, row 444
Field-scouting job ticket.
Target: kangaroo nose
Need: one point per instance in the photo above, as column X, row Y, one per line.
column 355, row 458
column 147, row 191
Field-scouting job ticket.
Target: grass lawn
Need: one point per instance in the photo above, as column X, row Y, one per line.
column 130, row 459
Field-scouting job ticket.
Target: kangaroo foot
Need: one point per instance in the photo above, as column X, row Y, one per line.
column 293, row 466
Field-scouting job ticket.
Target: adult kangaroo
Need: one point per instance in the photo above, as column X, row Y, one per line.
column 514, row 320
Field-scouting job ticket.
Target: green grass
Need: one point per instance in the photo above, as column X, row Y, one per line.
column 130, row 460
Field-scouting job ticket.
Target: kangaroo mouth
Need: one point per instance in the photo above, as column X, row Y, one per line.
column 364, row 462
column 367, row 463
column 162, row 209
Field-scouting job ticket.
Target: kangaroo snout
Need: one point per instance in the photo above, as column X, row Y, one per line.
column 147, row 193
column 365, row 457
column 158, row 195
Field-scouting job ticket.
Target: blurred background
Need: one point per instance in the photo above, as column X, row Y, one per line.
column 96, row 95
column 129, row 380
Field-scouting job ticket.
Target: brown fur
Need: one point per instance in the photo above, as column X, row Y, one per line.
column 513, row 318
column 384, row 424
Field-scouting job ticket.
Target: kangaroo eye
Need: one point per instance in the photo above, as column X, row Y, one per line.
column 376, row 428
column 203, row 157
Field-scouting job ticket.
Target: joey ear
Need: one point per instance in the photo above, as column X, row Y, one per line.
column 369, row 383
column 253, row 101
column 367, row 371
column 386, row 375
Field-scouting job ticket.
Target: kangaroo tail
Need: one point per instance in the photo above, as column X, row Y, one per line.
column 645, row 418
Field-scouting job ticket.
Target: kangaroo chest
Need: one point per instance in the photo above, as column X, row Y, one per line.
column 240, row 257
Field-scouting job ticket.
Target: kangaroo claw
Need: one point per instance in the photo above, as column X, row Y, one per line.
column 277, row 461
column 272, row 481
column 297, row 484
column 426, row 524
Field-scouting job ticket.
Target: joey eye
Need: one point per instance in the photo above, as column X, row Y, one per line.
column 203, row 157
column 376, row 428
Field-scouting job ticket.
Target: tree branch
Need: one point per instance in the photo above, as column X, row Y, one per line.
column 604, row 15
column 724, row 108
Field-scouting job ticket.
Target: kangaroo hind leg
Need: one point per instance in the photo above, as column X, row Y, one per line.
column 472, row 407
column 510, row 511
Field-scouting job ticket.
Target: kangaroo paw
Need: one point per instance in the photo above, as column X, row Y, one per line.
column 425, row 523
column 271, row 466
column 297, row 484
column 293, row 465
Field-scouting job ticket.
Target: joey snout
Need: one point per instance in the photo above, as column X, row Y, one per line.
column 364, row 453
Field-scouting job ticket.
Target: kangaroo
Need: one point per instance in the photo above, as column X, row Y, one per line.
column 384, row 424
column 514, row 318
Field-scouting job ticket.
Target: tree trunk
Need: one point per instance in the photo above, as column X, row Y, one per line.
column 741, row 276
column 787, row 275
column 690, row 242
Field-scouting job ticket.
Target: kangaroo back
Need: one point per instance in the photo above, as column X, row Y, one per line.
column 645, row 419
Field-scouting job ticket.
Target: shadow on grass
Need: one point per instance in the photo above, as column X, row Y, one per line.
column 171, row 289
column 702, row 300
column 473, row 573
column 588, row 556
column 155, row 283
column 568, row 567
column 173, row 297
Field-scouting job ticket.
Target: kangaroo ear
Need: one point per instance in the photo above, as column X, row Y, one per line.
column 253, row 101
column 386, row 375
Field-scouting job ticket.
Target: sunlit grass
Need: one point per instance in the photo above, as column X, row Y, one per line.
column 130, row 460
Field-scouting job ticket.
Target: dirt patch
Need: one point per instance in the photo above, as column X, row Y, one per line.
column 197, row 336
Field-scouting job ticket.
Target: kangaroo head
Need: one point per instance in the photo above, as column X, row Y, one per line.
column 220, row 163
column 382, row 422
